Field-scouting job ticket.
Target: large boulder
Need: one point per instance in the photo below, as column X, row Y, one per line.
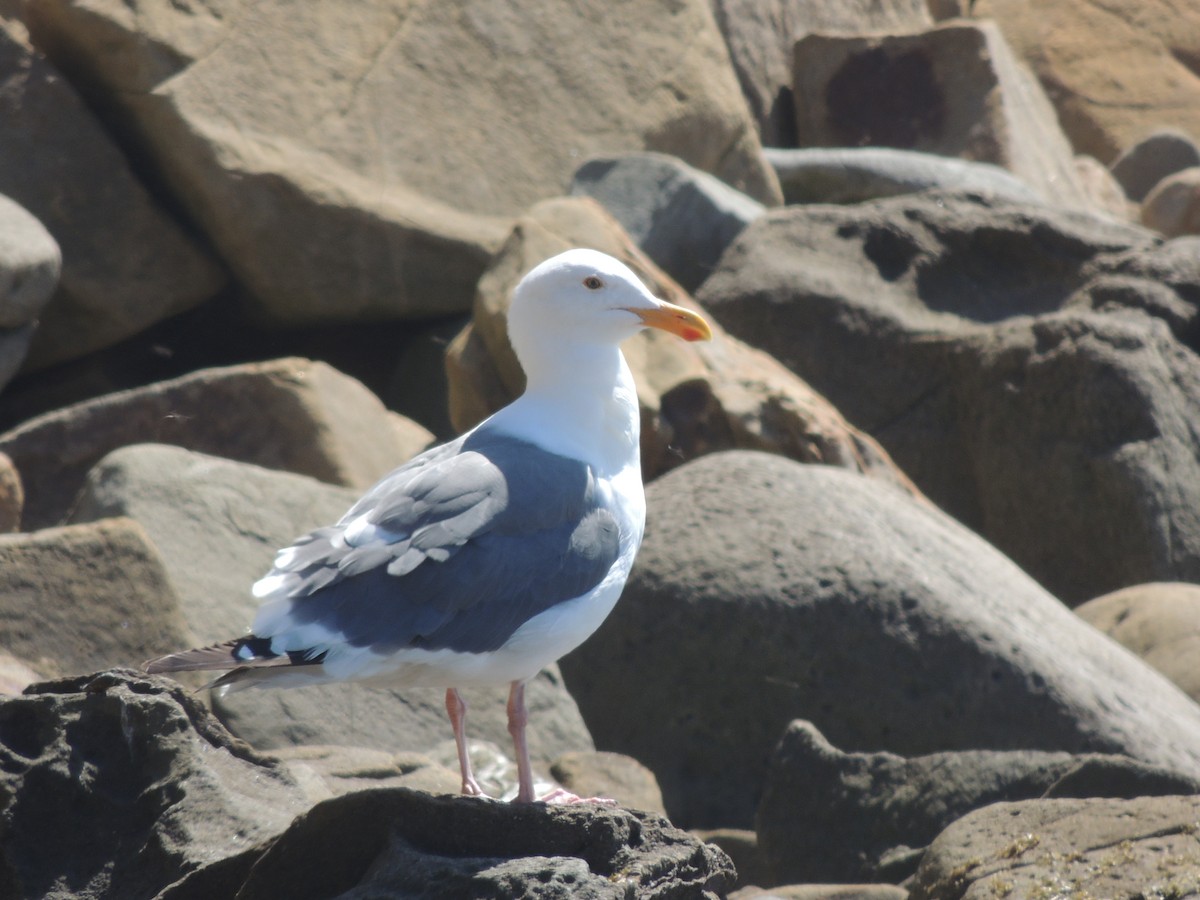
column 1152, row 159
column 292, row 414
column 1144, row 847
column 695, row 398
column 1020, row 363
column 372, row 168
column 30, row 263
column 217, row 524
column 126, row 263
column 116, row 786
column 956, row 90
column 767, row 591
column 833, row 816
column 1173, row 207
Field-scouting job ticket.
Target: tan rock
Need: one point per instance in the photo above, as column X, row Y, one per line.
column 15, row 675
column 696, row 398
column 1115, row 69
column 325, row 770
column 956, row 89
column 86, row 597
column 126, row 264
column 372, row 169
column 291, row 414
column 12, row 496
column 1159, row 621
column 613, row 775
column 823, row 892
column 1173, row 207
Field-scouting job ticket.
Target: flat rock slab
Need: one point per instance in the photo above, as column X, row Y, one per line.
column 1127, row 849
column 396, row 842
column 116, row 785
column 217, row 524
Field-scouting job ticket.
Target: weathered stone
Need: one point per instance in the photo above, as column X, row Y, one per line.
column 767, row 591
column 1139, row 168
column 325, row 771
column 125, row 263
column 854, row 174
column 217, row 524
column 957, row 331
column 1159, row 622
column 696, row 398
column 291, row 414
column 1116, row 70
column 15, row 674
column 403, row 843
column 12, row 496
column 137, row 780
column 30, row 262
column 680, row 217
column 741, row 845
column 85, row 597
column 1145, row 847
column 1173, row 207
column 837, row 817
column 371, row 171
column 760, row 36
column 823, row 892
column 611, row 775
column 956, row 90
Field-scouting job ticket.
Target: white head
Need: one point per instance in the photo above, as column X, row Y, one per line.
column 587, row 297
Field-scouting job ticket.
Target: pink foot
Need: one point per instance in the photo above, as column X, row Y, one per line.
column 565, row 797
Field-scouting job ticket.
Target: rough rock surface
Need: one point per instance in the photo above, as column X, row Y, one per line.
column 956, row 90
column 767, row 591
column 680, row 217
column 114, row 786
column 1146, row 847
column 1160, row 622
column 1140, row 167
column 126, row 263
column 85, row 597
column 368, row 171
column 290, row 414
column 1020, row 363
column 695, row 398
column 828, row 816
column 217, row 524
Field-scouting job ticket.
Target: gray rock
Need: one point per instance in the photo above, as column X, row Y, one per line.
column 14, row 348
column 611, row 775
column 1173, row 207
column 12, row 496
column 217, row 525
column 828, row 816
column 30, row 263
column 1139, row 168
column 680, row 217
column 767, row 590
column 854, row 174
column 957, row 331
column 1144, row 847
column 115, row 785
column 399, row 843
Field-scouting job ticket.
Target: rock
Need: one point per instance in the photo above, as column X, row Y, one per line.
column 12, row 496
column 15, row 674
column 1173, row 207
column 402, row 843
column 217, row 525
column 85, row 597
column 741, row 845
column 854, row 174
column 696, row 398
column 1159, row 622
column 291, row 414
column 1115, row 71
column 137, row 780
column 767, row 591
column 125, row 263
column 371, row 173
column 326, row 771
column 30, row 263
column 1140, row 167
column 1105, row 195
column 944, row 325
column 1145, row 847
column 823, row 892
column 611, row 775
column 828, row 816
column 680, row 217
column 760, row 36
column 956, row 90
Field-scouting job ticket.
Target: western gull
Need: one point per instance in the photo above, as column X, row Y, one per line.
column 482, row 560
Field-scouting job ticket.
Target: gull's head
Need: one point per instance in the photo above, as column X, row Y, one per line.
column 586, row 296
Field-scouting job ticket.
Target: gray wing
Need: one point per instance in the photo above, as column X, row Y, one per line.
column 455, row 550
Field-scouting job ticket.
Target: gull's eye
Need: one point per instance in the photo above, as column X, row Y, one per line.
column 593, row 283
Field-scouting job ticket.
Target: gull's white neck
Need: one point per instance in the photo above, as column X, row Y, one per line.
column 579, row 401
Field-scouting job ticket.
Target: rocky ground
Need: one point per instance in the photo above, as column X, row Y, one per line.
column 917, row 612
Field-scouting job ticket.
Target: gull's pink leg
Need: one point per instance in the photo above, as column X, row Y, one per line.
column 456, row 708
column 518, row 718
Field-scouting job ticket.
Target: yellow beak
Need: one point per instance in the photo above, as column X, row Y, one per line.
column 667, row 316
